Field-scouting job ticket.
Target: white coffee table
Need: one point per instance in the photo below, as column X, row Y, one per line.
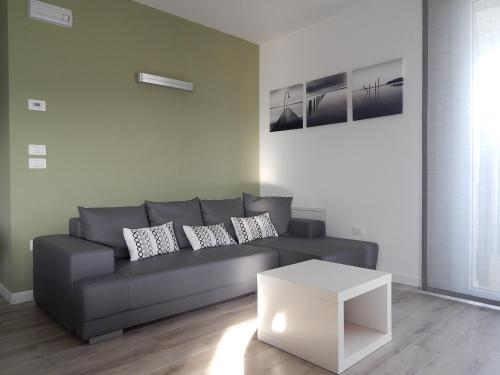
column 326, row 313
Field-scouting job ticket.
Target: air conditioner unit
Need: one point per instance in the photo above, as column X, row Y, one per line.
column 41, row 11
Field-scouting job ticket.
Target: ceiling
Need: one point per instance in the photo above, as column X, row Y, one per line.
column 257, row 21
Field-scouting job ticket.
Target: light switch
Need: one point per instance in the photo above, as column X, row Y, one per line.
column 37, row 163
column 37, row 150
column 37, row 105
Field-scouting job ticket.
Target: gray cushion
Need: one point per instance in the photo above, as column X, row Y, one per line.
column 221, row 211
column 279, row 208
column 181, row 213
column 186, row 272
column 105, row 225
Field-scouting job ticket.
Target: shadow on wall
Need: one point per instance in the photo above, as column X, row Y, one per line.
column 277, row 190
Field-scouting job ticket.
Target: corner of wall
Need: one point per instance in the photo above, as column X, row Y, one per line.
column 5, row 202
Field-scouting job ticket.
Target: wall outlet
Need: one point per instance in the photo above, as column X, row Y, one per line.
column 31, row 245
column 359, row 231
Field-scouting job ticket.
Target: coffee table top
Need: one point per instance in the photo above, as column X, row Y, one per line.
column 326, row 279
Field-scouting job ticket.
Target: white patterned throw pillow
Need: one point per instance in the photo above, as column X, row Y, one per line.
column 253, row 228
column 148, row 242
column 201, row 237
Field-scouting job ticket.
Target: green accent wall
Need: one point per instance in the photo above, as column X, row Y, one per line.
column 5, row 227
column 110, row 140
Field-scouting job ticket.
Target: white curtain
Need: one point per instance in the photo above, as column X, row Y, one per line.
column 462, row 140
column 485, row 267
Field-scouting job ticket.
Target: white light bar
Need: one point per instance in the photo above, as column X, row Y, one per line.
column 164, row 81
column 41, row 11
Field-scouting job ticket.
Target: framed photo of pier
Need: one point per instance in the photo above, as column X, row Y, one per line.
column 287, row 108
column 378, row 90
column 327, row 100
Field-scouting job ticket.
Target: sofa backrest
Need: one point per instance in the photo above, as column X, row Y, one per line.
column 179, row 212
column 75, row 227
column 105, row 225
column 221, row 211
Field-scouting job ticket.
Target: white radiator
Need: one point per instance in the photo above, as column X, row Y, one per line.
column 309, row 213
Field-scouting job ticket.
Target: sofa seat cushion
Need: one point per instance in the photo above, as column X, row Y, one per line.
column 332, row 249
column 187, row 272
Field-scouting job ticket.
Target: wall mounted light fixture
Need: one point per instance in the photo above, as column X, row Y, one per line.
column 165, row 81
column 41, row 11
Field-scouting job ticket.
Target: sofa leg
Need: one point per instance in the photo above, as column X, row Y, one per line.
column 105, row 337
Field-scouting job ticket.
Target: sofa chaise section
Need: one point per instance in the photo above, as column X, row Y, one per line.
column 331, row 249
column 307, row 241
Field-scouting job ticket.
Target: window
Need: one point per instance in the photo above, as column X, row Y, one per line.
column 461, row 216
column 485, row 264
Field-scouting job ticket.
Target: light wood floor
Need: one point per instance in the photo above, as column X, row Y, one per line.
column 430, row 336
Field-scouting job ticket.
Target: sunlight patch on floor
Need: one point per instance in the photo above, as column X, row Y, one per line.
column 229, row 359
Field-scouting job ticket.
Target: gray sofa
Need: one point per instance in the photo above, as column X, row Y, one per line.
column 95, row 292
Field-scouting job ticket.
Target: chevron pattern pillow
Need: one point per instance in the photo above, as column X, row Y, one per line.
column 148, row 242
column 253, row 228
column 201, row 237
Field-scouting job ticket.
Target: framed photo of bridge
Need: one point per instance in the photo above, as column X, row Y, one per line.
column 287, row 108
column 378, row 90
column 327, row 100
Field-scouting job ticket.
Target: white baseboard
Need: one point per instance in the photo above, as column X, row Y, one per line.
column 4, row 292
column 21, row 297
column 14, row 298
column 407, row 280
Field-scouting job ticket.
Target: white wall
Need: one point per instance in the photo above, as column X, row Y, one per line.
column 365, row 173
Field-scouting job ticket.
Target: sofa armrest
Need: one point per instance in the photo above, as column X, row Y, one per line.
column 58, row 262
column 307, row 228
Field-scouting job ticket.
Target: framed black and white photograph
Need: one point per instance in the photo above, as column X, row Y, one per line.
column 327, row 100
column 378, row 90
column 287, row 108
